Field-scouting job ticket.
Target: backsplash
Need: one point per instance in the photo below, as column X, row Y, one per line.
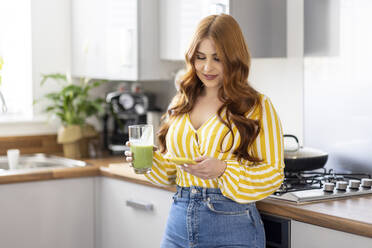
column 31, row 144
column 338, row 94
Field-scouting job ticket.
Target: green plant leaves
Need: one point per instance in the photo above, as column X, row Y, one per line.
column 73, row 103
column 57, row 76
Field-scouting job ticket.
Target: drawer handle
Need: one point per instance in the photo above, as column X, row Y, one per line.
column 140, row 205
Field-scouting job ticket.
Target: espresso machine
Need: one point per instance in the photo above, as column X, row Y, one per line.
column 124, row 107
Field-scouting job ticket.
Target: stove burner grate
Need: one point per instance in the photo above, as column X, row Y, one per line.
column 307, row 180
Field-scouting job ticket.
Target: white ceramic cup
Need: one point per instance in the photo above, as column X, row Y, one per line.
column 13, row 157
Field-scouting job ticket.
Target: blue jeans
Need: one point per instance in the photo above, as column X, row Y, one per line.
column 203, row 217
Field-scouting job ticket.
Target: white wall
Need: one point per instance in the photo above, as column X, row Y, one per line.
column 281, row 80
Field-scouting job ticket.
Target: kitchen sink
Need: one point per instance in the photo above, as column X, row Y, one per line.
column 41, row 160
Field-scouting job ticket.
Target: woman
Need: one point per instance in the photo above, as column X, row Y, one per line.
column 231, row 131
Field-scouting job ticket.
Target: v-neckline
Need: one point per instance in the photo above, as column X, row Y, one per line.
column 202, row 125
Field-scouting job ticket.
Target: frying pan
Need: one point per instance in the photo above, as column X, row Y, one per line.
column 303, row 158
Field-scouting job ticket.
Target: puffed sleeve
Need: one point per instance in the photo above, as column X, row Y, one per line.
column 163, row 172
column 244, row 182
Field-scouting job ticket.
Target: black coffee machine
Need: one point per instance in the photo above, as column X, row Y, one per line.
column 124, row 108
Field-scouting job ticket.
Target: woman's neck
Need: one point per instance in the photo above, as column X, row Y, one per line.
column 210, row 92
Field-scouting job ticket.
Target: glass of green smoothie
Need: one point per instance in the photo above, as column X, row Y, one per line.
column 141, row 140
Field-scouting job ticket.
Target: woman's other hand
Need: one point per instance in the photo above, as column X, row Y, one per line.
column 206, row 168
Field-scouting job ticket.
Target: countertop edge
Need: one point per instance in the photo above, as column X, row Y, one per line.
column 294, row 212
column 48, row 174
column 106, row 172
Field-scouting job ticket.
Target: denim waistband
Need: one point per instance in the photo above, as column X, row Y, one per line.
column 197, row 192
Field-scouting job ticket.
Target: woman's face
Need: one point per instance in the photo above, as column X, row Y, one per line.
column 208, row 67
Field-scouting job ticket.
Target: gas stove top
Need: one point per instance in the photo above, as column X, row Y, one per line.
column 309, row 186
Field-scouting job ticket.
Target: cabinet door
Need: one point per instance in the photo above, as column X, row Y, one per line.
column 104, row 39
column 53, row 213
column 122, row 218
column 121, row 36
column 310, row 236
column 87, row 38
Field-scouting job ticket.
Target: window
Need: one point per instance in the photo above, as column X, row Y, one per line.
column 15, row 49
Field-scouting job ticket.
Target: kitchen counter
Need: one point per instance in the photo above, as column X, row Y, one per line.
column 38, row 174
column 352, row 215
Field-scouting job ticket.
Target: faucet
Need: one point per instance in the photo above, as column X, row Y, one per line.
column 4, row 108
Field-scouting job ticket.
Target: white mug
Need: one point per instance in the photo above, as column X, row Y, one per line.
column 13, row 157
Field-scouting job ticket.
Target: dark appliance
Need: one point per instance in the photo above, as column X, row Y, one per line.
column 122, row 110
column 303, row 158
column 277, row 231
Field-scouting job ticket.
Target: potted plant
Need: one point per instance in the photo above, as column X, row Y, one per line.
column 72, row 105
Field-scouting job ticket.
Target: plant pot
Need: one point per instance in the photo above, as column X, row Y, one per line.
column 70, row 137
column 76, row 139
column 84, row 147
column 72, row 150
column 78, row 149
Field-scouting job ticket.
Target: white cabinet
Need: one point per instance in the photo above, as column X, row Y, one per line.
column 117, row 40
column 121, row 225
column 178, row 21
column 53, row 213
column 310, row 236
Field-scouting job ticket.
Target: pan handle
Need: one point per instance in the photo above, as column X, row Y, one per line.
column 295, row 138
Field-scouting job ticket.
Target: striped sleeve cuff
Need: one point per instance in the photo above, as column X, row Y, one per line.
column 162, row 172
column 245, row 184
column 229, row 180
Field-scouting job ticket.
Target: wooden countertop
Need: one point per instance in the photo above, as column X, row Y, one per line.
column 352, row 215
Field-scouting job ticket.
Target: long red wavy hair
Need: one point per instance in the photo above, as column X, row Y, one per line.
column 235, row 92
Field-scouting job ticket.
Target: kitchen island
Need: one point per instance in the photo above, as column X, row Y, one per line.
column 350, row 215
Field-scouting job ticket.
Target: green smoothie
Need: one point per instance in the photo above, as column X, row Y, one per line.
column 142, row 158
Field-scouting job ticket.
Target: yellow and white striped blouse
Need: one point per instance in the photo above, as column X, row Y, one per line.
column 240, row 182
